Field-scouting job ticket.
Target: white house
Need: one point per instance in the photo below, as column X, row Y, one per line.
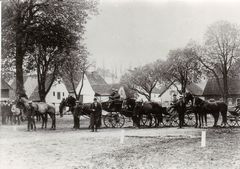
column 93, row 86
column 167, row 91
column 57, row 92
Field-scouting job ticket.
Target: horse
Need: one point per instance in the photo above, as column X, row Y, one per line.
column 43, row 108
column 200, row 115
column 151, row 110
column 203, row 108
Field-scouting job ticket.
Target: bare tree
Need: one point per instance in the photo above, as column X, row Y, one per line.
column 74, row 69
column 220, row 53
column 142, row 80
column 182, row 66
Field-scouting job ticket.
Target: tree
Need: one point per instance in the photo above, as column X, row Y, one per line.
column 141, row 80
column 20, row 18
column 74, row 69
column 182, row 66
column 220, row 53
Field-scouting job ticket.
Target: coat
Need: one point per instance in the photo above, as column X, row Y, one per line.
column 96, row 110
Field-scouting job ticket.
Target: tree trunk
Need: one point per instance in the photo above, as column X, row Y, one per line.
column 19, row 66
column 225, row 88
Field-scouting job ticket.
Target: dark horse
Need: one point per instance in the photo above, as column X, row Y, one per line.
column 84, row 109
column 151, row 110
column 202, row 108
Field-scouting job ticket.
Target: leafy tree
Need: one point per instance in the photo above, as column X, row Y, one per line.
column 20, row 19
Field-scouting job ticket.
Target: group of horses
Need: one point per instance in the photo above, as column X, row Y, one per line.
column 153, row 110
column 135, row 110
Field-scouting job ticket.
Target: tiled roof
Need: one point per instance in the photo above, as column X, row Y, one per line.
column 99, row 85
column 5, row 85
column 212, row 87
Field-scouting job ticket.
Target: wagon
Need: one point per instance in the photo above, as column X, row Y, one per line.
column 171, row 118
column 233, row 117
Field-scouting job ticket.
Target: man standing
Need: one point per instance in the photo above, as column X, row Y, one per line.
column 30, row 117
column 4, row 113
column 76, row 115
column 95, row 116
column 181, row 108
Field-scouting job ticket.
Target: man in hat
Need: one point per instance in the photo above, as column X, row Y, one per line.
column 95, row 116
column 30, row 113
column 76, row 115
column 181, row 108
column 113, row 98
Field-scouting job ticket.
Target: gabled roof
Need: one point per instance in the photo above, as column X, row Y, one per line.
column 99, row 85
column 68, row 84
column 213, row 89
column 194, row 89
column 5, row 85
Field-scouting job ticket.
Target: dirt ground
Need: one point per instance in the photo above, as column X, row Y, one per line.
column 66, row 148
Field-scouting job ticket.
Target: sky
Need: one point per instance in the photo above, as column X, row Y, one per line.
column 129, row 33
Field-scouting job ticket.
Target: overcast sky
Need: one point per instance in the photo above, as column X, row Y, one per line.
column 134, row 32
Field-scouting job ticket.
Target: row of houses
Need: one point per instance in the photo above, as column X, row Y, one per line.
column 96, row 86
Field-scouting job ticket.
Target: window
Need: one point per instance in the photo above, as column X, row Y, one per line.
column 53, row 93
column 5, row 93
column 238, row 101
column 58, row 95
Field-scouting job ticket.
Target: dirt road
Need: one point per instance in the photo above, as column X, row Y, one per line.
column 66, row 148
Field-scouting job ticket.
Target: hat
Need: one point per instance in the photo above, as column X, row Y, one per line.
column 95, row 98
column 180, row 96
column 30, row 102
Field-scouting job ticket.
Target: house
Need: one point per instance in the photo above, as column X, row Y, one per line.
column 6, row 90
column 93, row 86
column 212, row 91
column 124, row 93
column 57, row 92
column 167, row 91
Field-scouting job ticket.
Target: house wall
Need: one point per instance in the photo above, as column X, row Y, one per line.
column 55, row 95
column 154, row 97
column 4, row 94
column 233, row 100
column 87, row 91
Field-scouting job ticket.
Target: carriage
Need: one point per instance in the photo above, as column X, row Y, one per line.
column 234, row 116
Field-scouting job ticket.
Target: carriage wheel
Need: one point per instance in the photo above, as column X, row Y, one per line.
column 189, row 120
column 146, row 122
column 232, row 122
column 166, row 122
column 175, row 122
column 118, row 120
column 108, row 121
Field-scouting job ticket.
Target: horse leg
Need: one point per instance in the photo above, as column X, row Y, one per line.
column 33, row 123
column 46, row 120
column 216, row 116
column 150, row 119
column 43, row 120
column 196, row 119
column 205, row 116
column 18, row 120
column 224, row 118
